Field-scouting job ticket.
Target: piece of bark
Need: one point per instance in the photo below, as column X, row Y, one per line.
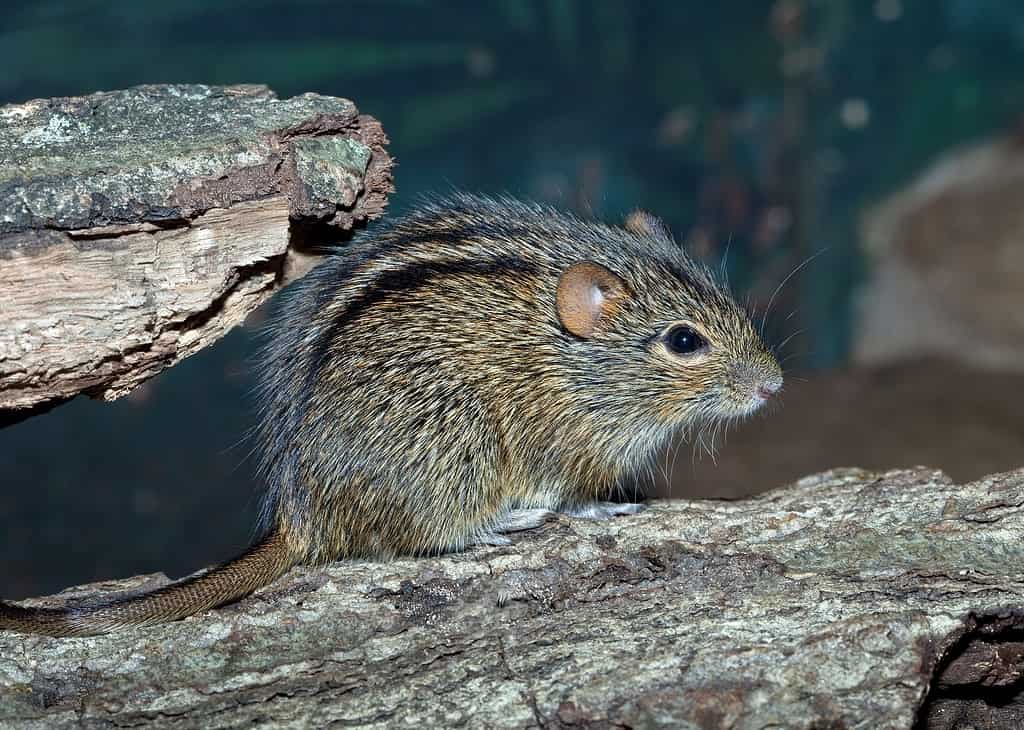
column 139, row 226
column 850, row 599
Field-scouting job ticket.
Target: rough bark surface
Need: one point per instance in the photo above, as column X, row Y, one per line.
column 850, row 599
column 138, row 226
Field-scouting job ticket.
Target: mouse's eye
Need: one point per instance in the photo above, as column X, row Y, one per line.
column 684, row 340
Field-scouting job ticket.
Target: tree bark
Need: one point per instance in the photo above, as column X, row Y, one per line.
column 138, row 226
column 848, row 599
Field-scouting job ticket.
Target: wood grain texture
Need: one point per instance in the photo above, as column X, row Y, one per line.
column 850, row 599
column 139, row 226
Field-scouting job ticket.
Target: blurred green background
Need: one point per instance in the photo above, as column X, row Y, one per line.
column 758, row 126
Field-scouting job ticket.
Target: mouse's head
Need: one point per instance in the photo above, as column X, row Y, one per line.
column 667, row 346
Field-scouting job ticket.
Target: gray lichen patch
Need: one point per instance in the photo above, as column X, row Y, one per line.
column 119, row 157
column 326, row 166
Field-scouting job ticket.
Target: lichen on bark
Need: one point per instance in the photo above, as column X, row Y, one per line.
column 139, row 226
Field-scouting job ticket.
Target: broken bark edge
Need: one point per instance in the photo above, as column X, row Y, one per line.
column 980, row 667
column 122, row 274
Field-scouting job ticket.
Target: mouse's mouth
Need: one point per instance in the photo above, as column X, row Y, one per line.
column 734, row 410
column 757, row 401
column 742, row 405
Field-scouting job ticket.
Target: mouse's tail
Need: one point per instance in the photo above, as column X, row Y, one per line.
column 256, row 567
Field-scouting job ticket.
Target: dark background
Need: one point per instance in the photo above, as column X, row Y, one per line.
column 764, row 127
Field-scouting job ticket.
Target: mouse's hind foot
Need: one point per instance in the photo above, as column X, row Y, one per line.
column 518, row 520
column 603, row 510
column 515, row 520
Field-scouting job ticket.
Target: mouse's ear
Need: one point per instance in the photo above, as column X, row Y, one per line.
column 642, row 223
column 588, row 294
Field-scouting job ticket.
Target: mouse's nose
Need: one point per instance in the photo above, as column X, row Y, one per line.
column 769, row 388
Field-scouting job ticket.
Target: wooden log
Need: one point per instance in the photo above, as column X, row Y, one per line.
column 139, row 226
column 849, row 599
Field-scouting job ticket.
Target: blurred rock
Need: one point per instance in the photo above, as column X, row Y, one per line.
column 947, row 261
